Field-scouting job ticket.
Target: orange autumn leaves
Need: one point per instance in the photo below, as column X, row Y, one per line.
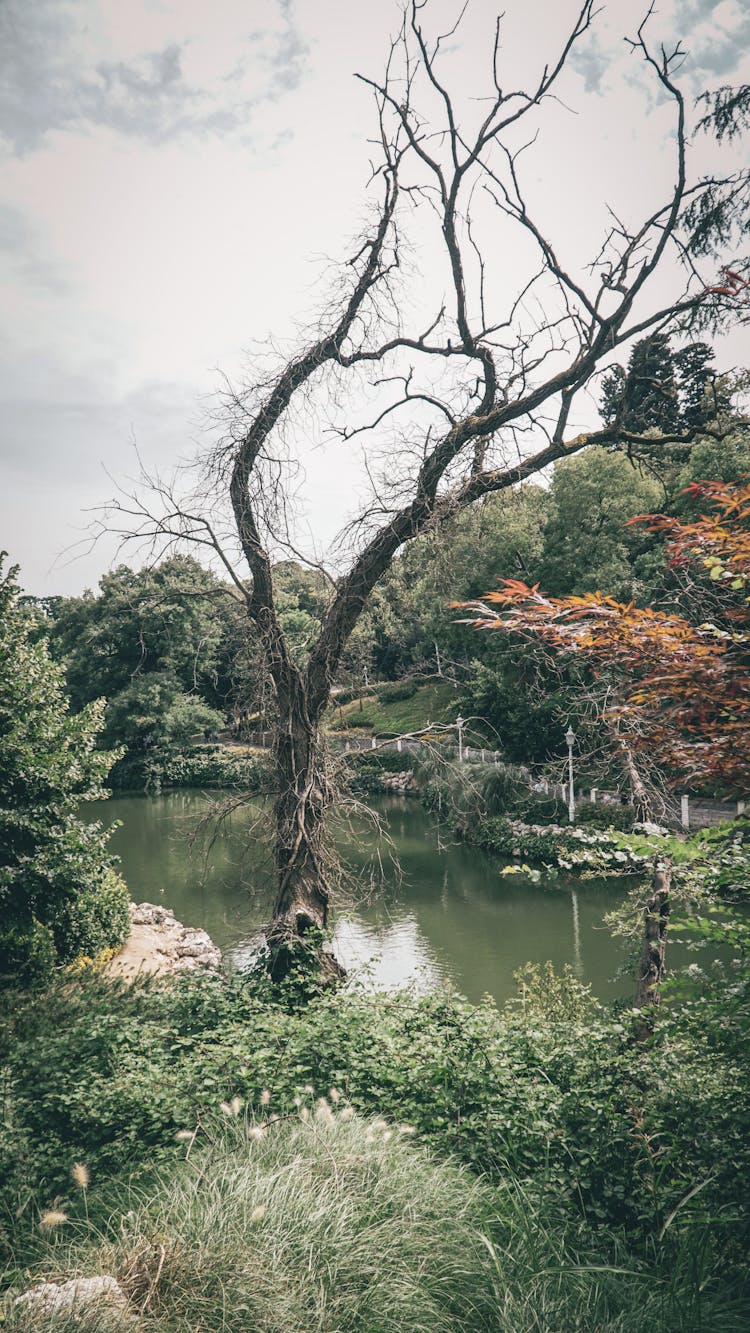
column 680, row 689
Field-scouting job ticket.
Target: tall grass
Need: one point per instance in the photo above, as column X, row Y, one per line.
column 323, row 1223
column 331, row 1223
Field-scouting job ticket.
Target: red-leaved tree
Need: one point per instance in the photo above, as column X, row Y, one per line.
column 679, row 687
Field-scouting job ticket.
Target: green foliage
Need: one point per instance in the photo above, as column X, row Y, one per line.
column 721, row 860
column 554, row 996
column 597, row 814
column 152, row 712
column 155, row 644
column 366, row 771
column 410, row 612
column 587, row 545
column 27, row 955
column 382, row 761
column 524, row 697
column 553, row 1097
column 356, row 1230
column 345, row 696
column 398, row 690
column 414, row 707
column 662, row 389
column 502, row 787
column 55, row 879
column 335, row 1222
column 198, row 766
column 565, row 848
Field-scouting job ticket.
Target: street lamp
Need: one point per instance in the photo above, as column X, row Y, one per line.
column 460, row 724
column 570, row 738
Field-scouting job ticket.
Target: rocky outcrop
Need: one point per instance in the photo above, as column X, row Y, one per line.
column 159, row 943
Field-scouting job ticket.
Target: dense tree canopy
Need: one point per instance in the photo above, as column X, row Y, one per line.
column 59, row 896
column 152, row 644
column 662, row 389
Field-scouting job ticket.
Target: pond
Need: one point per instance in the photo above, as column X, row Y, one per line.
column 444, row 912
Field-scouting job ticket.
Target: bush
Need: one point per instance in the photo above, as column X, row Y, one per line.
column 366, row 772
column 585, row 852
column 351, row 692
column 383, row 761
column 107, row 1075
column 398, row 690
column 27, row 957
column 598, row 814
column 502, row 787
column 328, row 1223
column 199, row 766
column 536, row 808
column 97, row 919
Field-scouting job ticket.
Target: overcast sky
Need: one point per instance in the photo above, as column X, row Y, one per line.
column 174, row 172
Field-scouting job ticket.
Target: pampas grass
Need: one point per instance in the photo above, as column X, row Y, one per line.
column 341, row 1224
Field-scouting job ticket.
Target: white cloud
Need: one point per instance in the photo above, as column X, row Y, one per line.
column 171, row 71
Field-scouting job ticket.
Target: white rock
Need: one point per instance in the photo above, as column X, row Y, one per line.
column 66, row 1297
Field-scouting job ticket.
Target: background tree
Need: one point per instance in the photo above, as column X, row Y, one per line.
column 59, row 896
column 664, row 390
column 586, row 541
column 719, row 215
column 678, row 690
column 152, row 644
column 473, row 392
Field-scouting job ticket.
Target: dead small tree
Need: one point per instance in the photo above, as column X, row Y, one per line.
column 478, row 394
column 655, row 922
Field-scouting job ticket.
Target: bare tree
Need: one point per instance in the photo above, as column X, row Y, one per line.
column 473, row 393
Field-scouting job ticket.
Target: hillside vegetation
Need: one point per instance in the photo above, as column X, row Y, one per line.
column 398, row 709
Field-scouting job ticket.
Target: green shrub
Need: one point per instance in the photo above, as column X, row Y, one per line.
column 351, row 692
column 597, row 814
column 96, row 919
column 584, row 1131
column 27, row 956
column 339, row 1223
column 107, row 1075
column 502, row 787
column 365, row 772
column 586, row 852
column 198, row 766
column 398, row 690
column 320, row 1224
column 538, row 808
column 382, row 761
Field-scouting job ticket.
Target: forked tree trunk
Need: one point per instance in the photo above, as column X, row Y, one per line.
column 656, row 919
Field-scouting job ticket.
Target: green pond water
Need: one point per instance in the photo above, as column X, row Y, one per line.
column 444, row 913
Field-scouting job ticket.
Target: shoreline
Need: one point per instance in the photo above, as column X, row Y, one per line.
column 159, row 945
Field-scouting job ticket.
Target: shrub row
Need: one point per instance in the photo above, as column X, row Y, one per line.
column 567, row 848
column 201, row 766
column 555, row 1090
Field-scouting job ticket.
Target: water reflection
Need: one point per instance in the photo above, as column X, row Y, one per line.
column 448, row 914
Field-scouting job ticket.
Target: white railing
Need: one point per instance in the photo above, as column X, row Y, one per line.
column 687, row 812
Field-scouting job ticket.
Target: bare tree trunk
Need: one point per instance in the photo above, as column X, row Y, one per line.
column 656, row 919
column 300, row 914
column 639, row 794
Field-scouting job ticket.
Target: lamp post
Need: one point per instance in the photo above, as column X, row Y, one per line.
column 460, row 729
column 570, row 738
